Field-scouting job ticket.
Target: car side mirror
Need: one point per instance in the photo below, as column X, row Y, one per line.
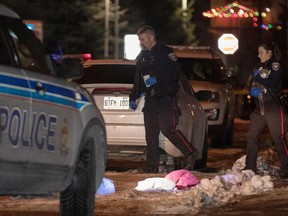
column 71, row 68
column 204, row 95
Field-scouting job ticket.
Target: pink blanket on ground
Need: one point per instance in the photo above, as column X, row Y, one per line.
column 183, row 178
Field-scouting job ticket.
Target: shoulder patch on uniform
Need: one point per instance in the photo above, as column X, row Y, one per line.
column 172, row 56
column 275, row 66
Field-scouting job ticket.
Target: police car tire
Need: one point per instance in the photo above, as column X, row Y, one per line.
column 78, row 199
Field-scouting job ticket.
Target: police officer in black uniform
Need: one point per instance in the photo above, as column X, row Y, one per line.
column 265, row 86
column 157, row 76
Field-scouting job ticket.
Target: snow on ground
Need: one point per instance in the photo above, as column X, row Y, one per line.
column 214, row 189
column 220, row 189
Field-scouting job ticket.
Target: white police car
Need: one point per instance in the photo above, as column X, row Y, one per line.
column 52, row 136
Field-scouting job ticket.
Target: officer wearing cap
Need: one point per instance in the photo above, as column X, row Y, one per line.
column 157, row 76
column 265, row 86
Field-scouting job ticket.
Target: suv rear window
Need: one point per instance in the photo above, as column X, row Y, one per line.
column 203, row 69
column 108, row 74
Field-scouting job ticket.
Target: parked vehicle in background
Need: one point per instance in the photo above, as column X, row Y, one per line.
column 52, row 136
column 207, row 72
column 110, row 82
column 244, row 104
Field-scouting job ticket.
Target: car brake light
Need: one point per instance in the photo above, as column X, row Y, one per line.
column 86, row 56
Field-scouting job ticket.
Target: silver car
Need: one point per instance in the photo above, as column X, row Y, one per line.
column 110, row 82
column 52, row 136
column 207, row 73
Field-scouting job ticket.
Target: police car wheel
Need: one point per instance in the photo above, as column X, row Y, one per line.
column 78, row 199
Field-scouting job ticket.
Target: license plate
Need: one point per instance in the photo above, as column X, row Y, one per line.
column 119, row 103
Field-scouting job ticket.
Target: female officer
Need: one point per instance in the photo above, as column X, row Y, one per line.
column 265, row 84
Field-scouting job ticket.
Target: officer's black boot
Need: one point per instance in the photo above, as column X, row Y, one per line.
column 189, row 161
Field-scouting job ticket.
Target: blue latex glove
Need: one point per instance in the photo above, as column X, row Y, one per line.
column 132, row 105
column 151, row 81
column 255, row 91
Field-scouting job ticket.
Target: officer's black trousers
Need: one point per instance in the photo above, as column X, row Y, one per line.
column 162, row 114
column 276, row 119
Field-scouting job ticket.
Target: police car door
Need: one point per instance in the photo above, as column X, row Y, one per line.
column 15, row 101
column 51, row 114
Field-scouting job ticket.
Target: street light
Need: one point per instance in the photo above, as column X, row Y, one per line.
column 116, row 29
column 184, row 4
column 106, row 34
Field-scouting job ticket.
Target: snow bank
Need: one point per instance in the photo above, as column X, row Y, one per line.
column 220, row 189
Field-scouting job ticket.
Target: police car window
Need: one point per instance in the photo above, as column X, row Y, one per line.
column 31, row 55
column 4, row 53
column 108, row 74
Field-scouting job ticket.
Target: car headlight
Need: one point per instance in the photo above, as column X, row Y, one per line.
column 215, row 97
column 208, row 96
column 212, row 114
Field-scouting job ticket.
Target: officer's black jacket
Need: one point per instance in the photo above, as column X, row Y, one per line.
column 274, row 79
column 160, row 62
column 272, row 82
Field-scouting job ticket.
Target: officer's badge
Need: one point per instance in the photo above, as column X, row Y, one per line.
column 172, row 56
column 264, row 73
column 275, row 66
